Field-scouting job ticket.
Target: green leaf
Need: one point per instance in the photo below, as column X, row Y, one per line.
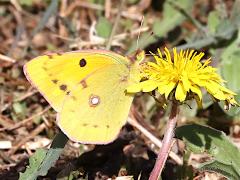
column 34, row 162
column 26, row 2
column 230, row 63
column 230, row 66
column 234, row 112
column 201, row 139
column 52, row 9
column 172, row 17
column 213, row 21
column 235, row 15
column 42, row 160
column 19, row 108
column 103, row 27
column 133, row 1
column 225, row 30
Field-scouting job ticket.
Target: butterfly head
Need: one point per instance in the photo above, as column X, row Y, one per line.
column 137, row 57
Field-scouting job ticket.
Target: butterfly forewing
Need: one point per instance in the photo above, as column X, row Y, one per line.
column 87, row 88
column 56, row 74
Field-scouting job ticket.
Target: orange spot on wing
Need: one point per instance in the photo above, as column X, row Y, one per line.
column 63, row 87
column 83, row 83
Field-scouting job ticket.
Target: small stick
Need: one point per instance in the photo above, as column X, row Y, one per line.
column 153, row 139
column 108, row 5
column 7, row 59
column 21, row 123
column 167, row 143
column 35, row 132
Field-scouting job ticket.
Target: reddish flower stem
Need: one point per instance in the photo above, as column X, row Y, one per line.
column 166, row 144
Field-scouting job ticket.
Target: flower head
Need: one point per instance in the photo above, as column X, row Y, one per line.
column 183, row 76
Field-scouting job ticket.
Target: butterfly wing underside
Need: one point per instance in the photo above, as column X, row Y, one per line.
column 87, row 88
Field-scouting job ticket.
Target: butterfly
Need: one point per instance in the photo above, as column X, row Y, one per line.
column 87, row 88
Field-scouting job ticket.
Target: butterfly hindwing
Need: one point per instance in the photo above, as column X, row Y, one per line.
column 95, row 112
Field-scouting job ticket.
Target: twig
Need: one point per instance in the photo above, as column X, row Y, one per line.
column 21, row 123
column 20, row 30
column 28, row 94
column 153, row 139
column 16, row 4
column 75, row 4
column 17, row 100
column 108, row 5
column 115, row 25
column 35, row 132
column 6, row 158
column 118, row 37
column 6, row 58
column 167, row 143
column 5, row 144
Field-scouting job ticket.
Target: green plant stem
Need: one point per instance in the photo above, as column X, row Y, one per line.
column 166, row 144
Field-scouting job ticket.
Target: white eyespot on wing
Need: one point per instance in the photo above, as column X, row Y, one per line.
column 94, row 100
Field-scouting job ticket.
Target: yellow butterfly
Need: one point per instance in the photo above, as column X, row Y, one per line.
column 87, row 89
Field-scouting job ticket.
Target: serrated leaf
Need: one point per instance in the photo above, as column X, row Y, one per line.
column 34, row 162
column 42, row 160
column 201, row 139
column 103, row 27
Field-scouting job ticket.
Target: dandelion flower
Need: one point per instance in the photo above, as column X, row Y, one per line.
column 183, row 76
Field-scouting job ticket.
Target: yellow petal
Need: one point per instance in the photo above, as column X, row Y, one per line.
column 195, row 89
column 168, row 55
column 185, row 81
column 166, row 88
column 180, row 93
column 219, row 95
column 148, row 85
column 169, row 88
column 227, row 90
column 134, row 88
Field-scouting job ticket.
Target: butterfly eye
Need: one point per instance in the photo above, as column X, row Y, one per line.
column 94, row 100
column 82, row 62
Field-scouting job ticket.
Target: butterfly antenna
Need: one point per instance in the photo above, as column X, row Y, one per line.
column 141, row 25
